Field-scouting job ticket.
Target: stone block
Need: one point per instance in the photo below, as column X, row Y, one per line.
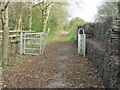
column 107, row 60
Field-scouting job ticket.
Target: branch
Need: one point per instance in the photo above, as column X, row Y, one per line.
column 37, row 4
column 42, row 8
column 49, row 4
column 78, row 4
column 4, row 8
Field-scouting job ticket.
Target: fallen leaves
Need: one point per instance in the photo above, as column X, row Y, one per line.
column 37, row 71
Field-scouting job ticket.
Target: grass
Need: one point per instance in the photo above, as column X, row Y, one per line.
column 20, row 58
column 52, row 37
column 32, row 46
column 72, row 36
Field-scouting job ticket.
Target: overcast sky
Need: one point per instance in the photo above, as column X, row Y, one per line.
column 85, row 10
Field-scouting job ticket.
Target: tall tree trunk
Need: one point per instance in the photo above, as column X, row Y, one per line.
column 5, row 39
column 46, row 16
column 119, row 8
column 42, row 19
column 18, row 25
column 45, row 9
column 20, row 22
column 30, row 16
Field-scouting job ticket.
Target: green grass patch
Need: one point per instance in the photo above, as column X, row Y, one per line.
column 32, row 51
column 72, row 36
column 32, row 46
column 53, row 37
column 72, row 39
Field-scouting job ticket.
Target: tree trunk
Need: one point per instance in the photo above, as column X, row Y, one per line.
column 42, row 19
column 46, row 16
column 30, row 16
column 18, row 25
column 45, row 9
column 20, row 22
column 5, row 39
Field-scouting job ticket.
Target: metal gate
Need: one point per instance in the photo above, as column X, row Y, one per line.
column 33, row 43
column 81, row 42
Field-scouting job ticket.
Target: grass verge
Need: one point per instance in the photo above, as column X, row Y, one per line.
column 72, row 36
column 53, row 37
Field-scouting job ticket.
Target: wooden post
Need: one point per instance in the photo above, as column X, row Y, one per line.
column 21, row 43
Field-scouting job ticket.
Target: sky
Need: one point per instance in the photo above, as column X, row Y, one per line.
column 85, row 9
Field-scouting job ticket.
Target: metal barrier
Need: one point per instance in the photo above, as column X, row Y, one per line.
column 33, row 43
column 81, row 42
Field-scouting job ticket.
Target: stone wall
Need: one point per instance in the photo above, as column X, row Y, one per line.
column 102, row 49
column 14, row 48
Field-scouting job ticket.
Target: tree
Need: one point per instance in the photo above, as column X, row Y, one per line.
column 12, row 15
column 30, row 15
column 59, row 13
column 119, row 7
column 75, row 22
column 105, row 10
column 45, row 8
column 50, row 12
column 18, row 21
column 4, row 19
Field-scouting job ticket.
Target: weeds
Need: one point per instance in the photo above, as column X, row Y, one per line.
column 13, row 62
column 52, row 37
column 72, row 36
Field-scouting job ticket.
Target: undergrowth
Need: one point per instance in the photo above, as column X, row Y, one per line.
column 72, row 36
column 13, row 61
column 53, row 37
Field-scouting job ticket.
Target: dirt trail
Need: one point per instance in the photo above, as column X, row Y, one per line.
column 60, row 67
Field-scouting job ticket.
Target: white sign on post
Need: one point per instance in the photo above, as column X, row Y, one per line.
column 81, row 42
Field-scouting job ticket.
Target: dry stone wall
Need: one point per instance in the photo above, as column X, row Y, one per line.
column 103, row 49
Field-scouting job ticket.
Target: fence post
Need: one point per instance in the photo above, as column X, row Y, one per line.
column 46, row 40
column 79, row 41
column 84, row 41
column 21, row 43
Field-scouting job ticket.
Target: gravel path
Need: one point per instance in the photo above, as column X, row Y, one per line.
column 60, row 67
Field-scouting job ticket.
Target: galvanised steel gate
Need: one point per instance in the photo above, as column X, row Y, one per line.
column 81, row 42
column 33, row 43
